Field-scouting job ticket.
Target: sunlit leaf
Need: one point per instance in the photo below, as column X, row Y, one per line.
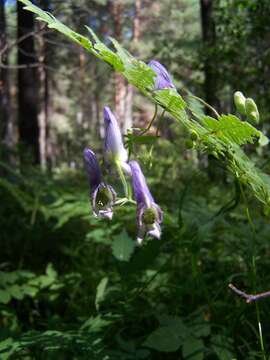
column 123, row 247
column 231, row 129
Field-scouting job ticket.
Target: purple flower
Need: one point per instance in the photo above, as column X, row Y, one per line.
column 114, row 148
column 102, row 195
column 149, row 214
column 163, row 79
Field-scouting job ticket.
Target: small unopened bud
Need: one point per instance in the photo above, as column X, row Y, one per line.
column 193, row 135
column 189, row 144
column 252, row 110
column 239, row 102
column 149, row 216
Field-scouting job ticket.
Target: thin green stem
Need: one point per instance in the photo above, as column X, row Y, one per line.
column 123, row 180
column 159, row 121
column 151, row 122
column 124, row 201
column 260, row 330
column 254, row 270
column 206, row 104
column 203, row 102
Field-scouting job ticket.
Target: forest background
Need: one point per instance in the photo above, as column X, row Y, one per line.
column 74, row 287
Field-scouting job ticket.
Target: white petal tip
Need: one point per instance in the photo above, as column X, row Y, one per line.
column 155, row 232
column 104, row 214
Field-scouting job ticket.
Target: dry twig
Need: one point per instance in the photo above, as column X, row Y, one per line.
column 249, row 297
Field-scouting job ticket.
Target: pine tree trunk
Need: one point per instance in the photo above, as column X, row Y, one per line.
column 86, row 95
column 27, row 85
column 137, row 21
column 44, row 92
column 43, row 116
column 210, row 66
column 8, row 137
column 128, row 119
column 119, row 81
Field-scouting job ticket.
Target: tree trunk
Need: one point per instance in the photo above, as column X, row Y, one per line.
column 44, row 92
column 128, row 120
column 27, row 85
column 6, row 115
column 43, row 116
column 210, row 66
column 124, row 92
column 137, row 21
column 119, row 81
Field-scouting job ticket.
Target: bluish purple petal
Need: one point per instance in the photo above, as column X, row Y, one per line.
column 159, row 213
column 114, row 148
column 92, row 168
column 163, row 79
column 140, row 188
column 149, row 214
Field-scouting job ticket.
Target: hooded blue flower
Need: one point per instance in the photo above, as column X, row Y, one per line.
column 114, row 149
column 149, row 214
column 163, row 79
column 102, row 195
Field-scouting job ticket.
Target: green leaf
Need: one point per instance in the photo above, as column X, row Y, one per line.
column 99, row 236
column 16, row 292
column 170, row 99
column 30, row 290
column 198, row 326
column 164, row 339
column 100, row 293
column 123, row 247
column 195, row 106
column 143, row 354
column 169, row 336
column 50, row 271
column 263, row 141
column 193, row 349
column 5, row 297
column 173, row 322
column 7, row 348
column 95, row 324
column 231, row 129
column 222, row 346
column 142, row 139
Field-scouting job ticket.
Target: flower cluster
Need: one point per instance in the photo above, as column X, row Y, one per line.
column 102, row 195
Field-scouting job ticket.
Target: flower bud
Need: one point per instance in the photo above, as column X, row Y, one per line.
column 163, row 78
column 239, row 102
column 189, row 144
column 193, row 135
column 252, row 110
column 114, row 147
